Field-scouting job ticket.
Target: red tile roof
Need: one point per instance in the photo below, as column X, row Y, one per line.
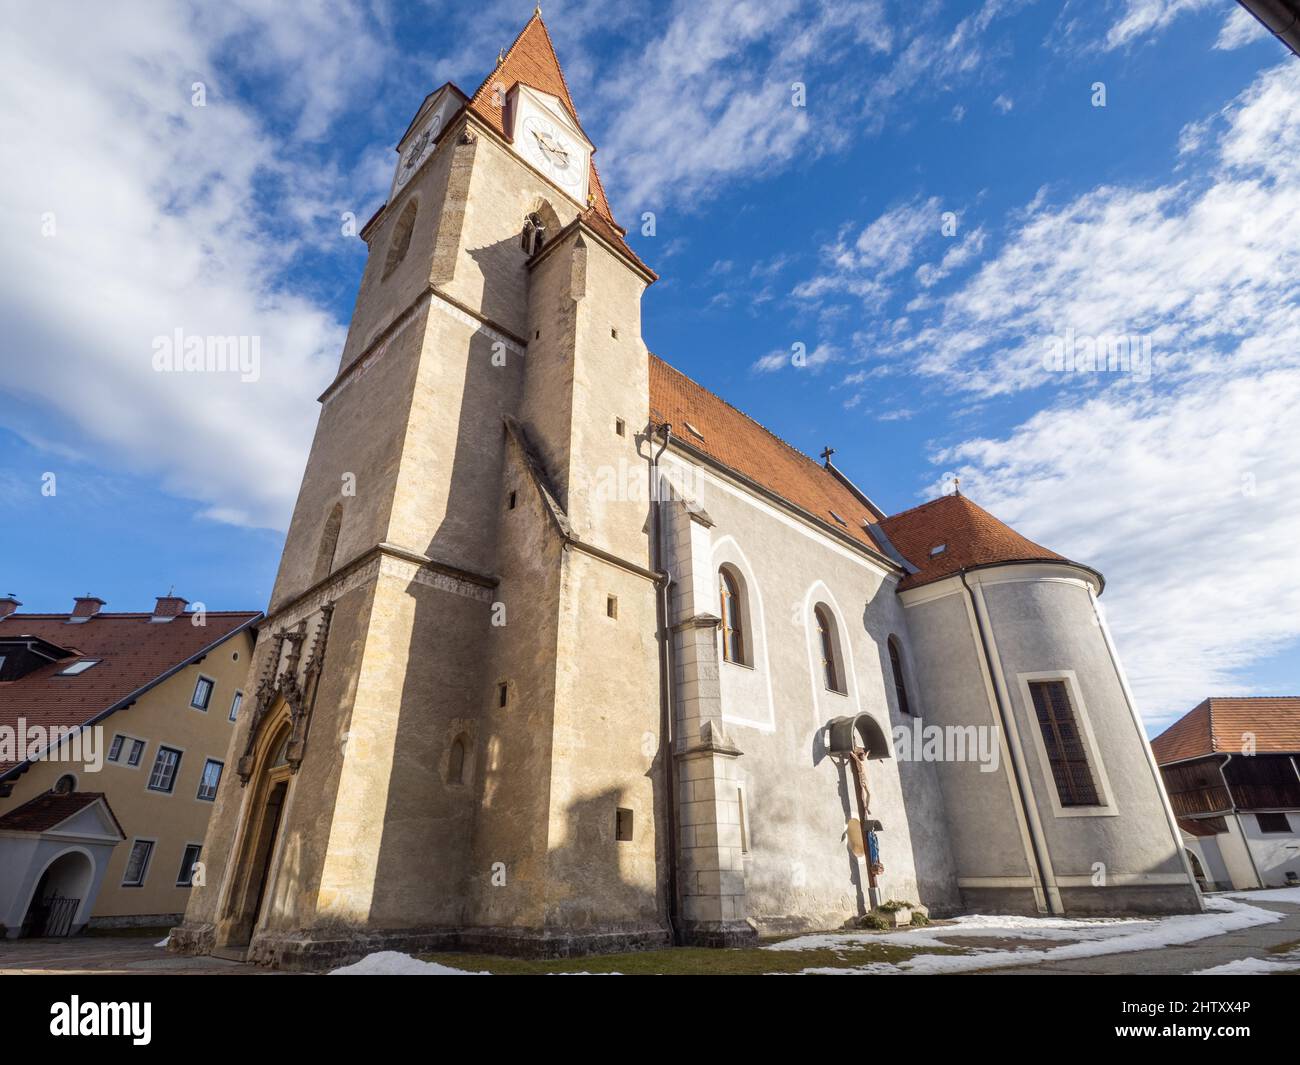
column 738, row 442
column 1222, row 726
column 134, row 654
column 969, row 534
column 52, row 808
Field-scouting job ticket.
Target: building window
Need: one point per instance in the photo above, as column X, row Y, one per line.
column 65, row 785
column 1274, row 822
column 78, row 668
column 456, row 762
column 185, row 878
column 165, row 764
column 611, row 606
column 329, row 543
column 732, row 609
column 210, row 779
column 115, row 748
column 202, row 693
column 900, row 686
column 1064, row 743
column 623, row 825
column 743, row 814
column 401, row 240
column 534, row 234
column 503, row 693
column 832, row 661
column 620, row 426
column 137, row 864
column 514, row 499
column 137, row 752
column 235, row 704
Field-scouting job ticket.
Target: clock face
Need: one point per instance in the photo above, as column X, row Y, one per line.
column 417, row 151
column 554, row 152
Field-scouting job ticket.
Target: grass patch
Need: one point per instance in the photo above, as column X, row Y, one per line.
column 691, row 961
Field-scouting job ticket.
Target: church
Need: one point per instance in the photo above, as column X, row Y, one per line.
column 565, row 654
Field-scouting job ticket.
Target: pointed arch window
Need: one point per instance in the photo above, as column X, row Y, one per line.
column 534, row 235
column 329, row 541
column 900, row 685
column 734, row 614
column 401, row 239
column 456, row 762
column 829, row 641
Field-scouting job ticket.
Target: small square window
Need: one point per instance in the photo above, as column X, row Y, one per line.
column 137, row 864
column 1275, row 822
column 503, row 693
column 165, row 764
column 235, row 704
column 115, row 748
column 611, row 606
column 613, row 332
column 185, row 878
column 211, row 778
column 78, row 668
column 623, row 825
column 620, row 427
column 202, row 693
column 137, row 752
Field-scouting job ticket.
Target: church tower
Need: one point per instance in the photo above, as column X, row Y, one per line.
column 457, row 704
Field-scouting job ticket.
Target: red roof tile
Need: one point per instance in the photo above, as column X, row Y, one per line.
column 134, row 653
column 970, row 537
column 52, row 808
column 1223, row 726
column 738, row 442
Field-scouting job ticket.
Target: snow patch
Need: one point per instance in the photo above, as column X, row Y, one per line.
column 395, row 963
column 1093, row 938
column 165, row 941
column 1285, row 894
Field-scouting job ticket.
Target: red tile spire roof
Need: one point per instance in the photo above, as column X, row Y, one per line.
column 531, row 60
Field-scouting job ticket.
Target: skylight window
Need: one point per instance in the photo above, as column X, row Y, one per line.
column 839, row 519
column 938, row 549
column 691, row 429
column 78, row 668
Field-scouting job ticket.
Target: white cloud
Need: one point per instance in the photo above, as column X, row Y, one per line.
column 1183, row 489
column 1143, row 18
column 1240, row 29
column 1003, row 103
column 169, row 216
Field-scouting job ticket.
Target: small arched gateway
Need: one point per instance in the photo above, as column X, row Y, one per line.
column 55, row 851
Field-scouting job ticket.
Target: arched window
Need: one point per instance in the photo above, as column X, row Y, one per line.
column 534, row 235
column 832, row 660
column 456, row 762
column 401, row 238
column 732, row 610
column 329, row 541
column 900, row 685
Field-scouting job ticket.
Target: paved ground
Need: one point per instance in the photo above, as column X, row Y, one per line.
column 1190, row 957
column 107, row 954
column 1275, row 943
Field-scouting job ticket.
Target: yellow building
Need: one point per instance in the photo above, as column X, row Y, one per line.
column 113, row 736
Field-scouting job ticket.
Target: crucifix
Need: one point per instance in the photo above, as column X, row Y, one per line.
column 827, row 452
column 858, row 760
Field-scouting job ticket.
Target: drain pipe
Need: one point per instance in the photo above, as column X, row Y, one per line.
column 667, row 686
column 1050, row 892
column 1232, row 801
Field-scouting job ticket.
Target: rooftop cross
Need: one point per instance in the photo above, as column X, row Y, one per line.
column 827, row 452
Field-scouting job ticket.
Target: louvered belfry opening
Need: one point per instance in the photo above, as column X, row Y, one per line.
column 1064, row 743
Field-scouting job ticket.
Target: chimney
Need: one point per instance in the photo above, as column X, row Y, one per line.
column 8, row 604
column 84, row 608
column 169, row 606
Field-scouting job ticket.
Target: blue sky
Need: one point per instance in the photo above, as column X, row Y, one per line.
column 1160, row 217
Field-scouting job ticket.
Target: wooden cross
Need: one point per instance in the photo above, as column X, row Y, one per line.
column 827, row 452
